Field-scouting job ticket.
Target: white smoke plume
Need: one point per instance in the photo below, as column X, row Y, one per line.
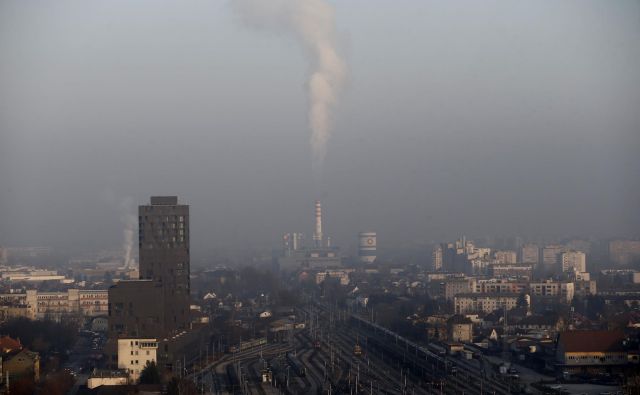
column 312, row 23
column 129, row 220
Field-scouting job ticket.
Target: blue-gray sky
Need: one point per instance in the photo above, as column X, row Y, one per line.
column 493, row 117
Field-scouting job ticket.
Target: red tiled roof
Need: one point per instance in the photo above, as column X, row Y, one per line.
column 591, row 341
column 8, row 344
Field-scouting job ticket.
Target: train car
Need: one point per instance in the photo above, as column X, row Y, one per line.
column 295, row 364
column 248, row 345
column 439, row 350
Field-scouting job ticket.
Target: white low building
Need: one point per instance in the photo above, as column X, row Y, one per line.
column 134, row 354
column 106, row 378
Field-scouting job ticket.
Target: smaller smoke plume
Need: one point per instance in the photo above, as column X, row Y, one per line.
column 312, row 23
column 129, row 220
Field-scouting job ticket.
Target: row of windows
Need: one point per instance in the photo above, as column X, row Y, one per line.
column 587, row 357
column 164, row 225
column 150, row 246
column 166, row 218
column 162, row 239
column 136, row 352
column 136, row 361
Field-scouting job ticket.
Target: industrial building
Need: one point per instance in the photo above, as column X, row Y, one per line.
column 367, row 246
column 296, row 255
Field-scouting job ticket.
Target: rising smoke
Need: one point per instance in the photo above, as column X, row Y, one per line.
column 129, row 221
column 312, row 23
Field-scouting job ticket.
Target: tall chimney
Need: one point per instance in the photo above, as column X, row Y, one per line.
column 317, row 234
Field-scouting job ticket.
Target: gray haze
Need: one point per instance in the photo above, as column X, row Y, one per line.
column 493, row 117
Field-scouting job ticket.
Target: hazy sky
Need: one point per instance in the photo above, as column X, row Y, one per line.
column 492, row 117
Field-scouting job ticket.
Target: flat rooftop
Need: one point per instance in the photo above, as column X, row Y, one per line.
column 164, row 200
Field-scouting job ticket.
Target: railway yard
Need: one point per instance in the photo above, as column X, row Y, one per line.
column 342, row 353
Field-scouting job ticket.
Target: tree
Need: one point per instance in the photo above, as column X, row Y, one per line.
column 56, row 384
column 522, row 301
column 181, row 387
column 150, row 374
column 22, row 386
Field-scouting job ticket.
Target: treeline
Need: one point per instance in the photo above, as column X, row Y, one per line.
column 42, row 336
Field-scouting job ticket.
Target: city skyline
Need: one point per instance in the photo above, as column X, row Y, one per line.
column 319, row 197
column 464, row 131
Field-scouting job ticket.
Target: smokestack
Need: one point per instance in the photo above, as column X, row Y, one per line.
column 317, row 234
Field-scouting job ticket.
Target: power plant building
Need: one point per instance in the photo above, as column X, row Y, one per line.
column 320, row 255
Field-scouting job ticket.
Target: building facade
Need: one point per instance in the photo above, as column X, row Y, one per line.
column 517, row 271
column 506, row 256
column 134, row 354
column 164, row 255
column 624, row 252
column 486, row 303
column 55, row 305
column 580, row 350
column 551, row 254
column 436, row 258
column 453, row 287
column 530, row 253
column 564, row 291
column 492, row 286
column 574, row 261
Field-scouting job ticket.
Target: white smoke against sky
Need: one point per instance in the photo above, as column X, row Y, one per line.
column 129, row 220
column 313, row 25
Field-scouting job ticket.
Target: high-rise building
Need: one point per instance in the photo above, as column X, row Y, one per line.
column 551, row 254
column 624, row 252
column 436, row 258
column 157, row 305
column 574, row 261
column 317, row 233
column 530, row 253
column 164, row 254
column 506, row 256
